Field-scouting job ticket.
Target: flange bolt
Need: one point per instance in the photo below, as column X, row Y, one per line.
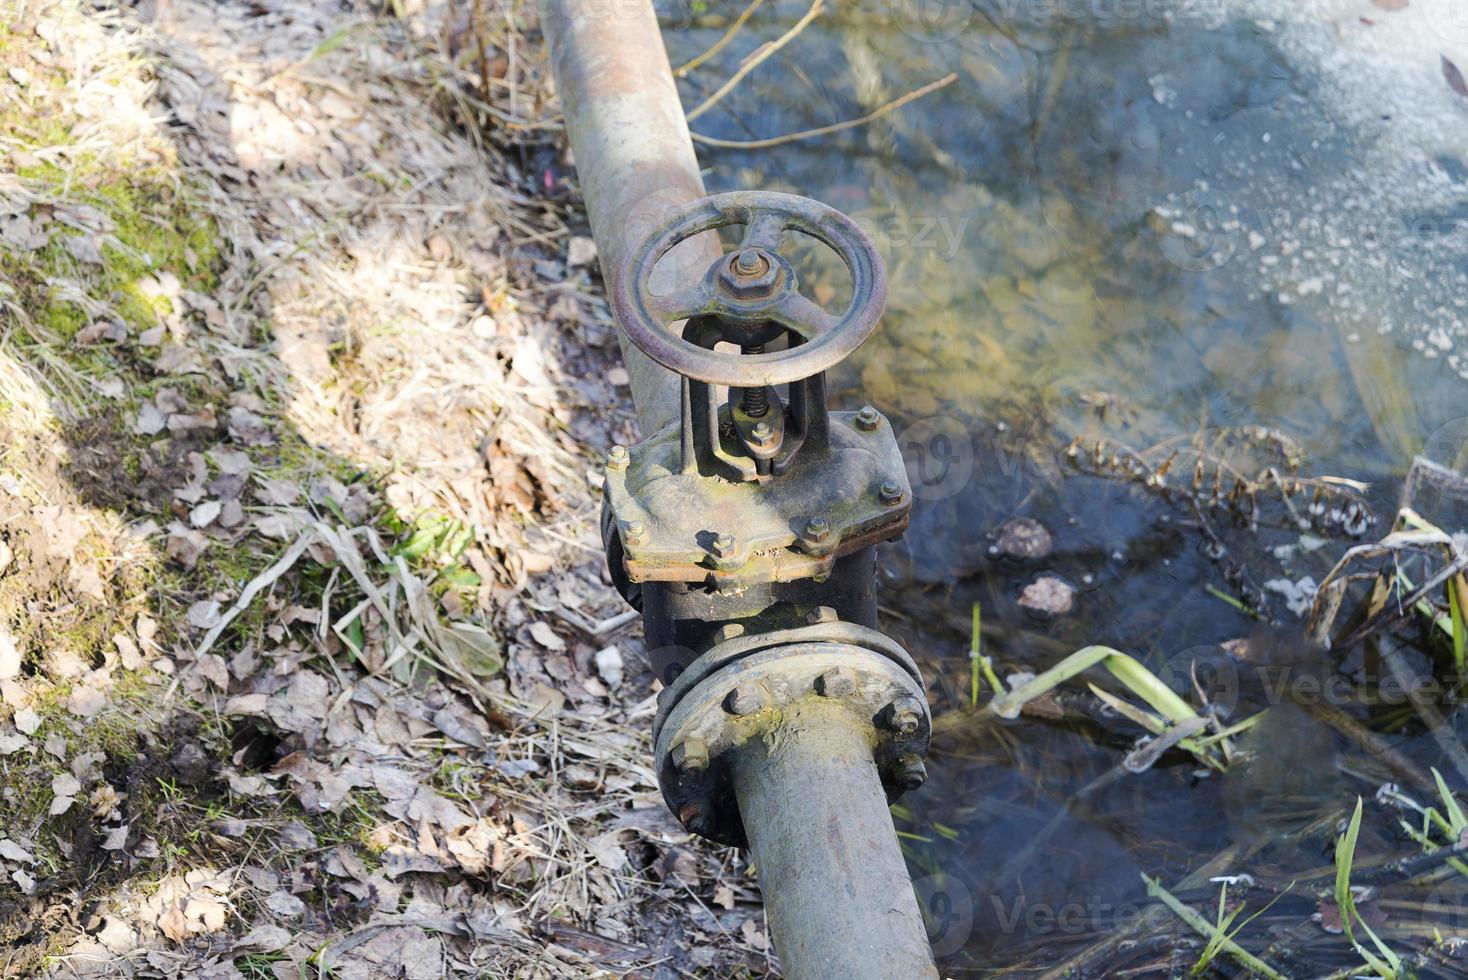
column 910, row 771
column 690, row 756
column 821, row 614
column 617, row 458
column 890, row 492
column 906, row 716
column 746, row 699
column 723, row 546
column 838, row 682
column 818, row 529
column 867, row 419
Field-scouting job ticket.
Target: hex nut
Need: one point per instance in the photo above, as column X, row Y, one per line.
column 910, row 771
column 905, row 716
column 891, row 493
column 867, row 420
column 821, row 614
column 617, row 458
column 817, row 529
column 634, row 531
column 755, row 285
column 838, row 682
column 690, row 755
column 746, row 699
column 723, row 546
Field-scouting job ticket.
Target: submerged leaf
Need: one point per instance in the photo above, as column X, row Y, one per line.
column 1454, row 77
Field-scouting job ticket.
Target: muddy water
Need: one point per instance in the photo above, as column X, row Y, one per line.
column 1140, row 226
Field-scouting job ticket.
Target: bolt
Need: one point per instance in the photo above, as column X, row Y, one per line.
column 910, row 771
column 906, row 716
column 746, row 699
column 821, row 614
column 635, row 531
column 617, row 458
column 690, row 815
column 749, row 262
column 723, row 546
column 838, row 682
column 762, row 430
column 690, row 756
column 728, row 632
column 817, row 529
column 749, row 275
column 890, row 492
column 867, row 419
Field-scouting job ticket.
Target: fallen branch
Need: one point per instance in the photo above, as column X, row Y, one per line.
column 755, row 60
column 872, row 116
column 683, row 70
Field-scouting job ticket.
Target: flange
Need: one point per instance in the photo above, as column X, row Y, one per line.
column 739, row 690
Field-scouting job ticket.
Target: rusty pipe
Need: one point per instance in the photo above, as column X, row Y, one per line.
column 836, row 888
column 633, row 155
column 808, row 788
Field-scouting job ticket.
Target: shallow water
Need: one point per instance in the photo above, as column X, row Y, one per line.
column 1143, row 230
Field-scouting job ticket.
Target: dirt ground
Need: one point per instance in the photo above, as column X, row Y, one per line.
column 308, row 660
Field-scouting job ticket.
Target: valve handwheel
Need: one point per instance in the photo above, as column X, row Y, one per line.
column 749, row 289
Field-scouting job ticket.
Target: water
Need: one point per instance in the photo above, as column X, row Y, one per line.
column 1169, row 231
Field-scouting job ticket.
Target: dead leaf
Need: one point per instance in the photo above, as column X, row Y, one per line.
column 754, row 935
column 9, row 656
column 286, row 904
column 85, row 701
column 543, row 634
column 582, row 251
column 1455, row 78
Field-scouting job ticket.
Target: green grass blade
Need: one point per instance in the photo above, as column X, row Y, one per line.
column 1460, row 632
column 1456, row 820
column 1209, row 931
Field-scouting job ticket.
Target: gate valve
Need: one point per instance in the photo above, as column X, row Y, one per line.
column 755, row 451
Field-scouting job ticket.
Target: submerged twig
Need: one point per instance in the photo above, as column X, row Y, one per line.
column 755, row 60
column 872, row 116
column 683, row 70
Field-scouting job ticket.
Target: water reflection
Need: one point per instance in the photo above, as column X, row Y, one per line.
column 1139, row 234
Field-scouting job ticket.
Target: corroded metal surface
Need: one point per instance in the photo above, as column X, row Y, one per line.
column 633, row 155
column 778, row 530
column 740, row 688
column 752, row 505
column 835, row 884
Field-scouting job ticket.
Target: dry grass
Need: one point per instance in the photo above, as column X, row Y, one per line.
column 300, row 586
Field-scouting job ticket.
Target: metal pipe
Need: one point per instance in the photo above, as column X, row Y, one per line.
column 836, row 888
column 632, row 152
column 808, row 790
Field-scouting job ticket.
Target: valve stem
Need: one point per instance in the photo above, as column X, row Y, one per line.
column 756, row 401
